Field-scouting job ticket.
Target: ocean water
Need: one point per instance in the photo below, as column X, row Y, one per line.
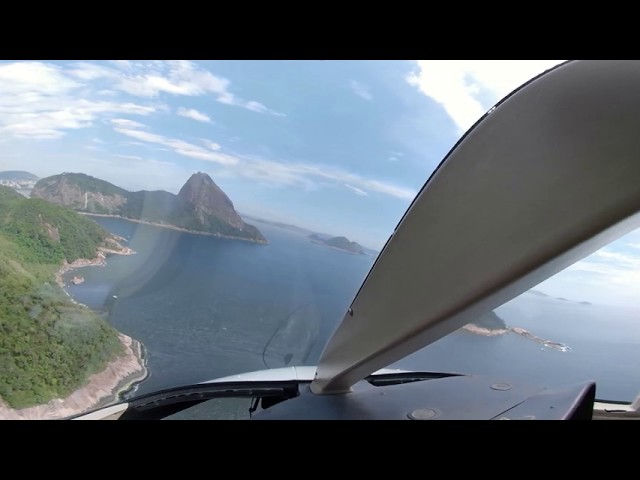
column 206, row 307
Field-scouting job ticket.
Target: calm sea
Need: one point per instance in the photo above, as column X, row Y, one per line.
column 206, row 307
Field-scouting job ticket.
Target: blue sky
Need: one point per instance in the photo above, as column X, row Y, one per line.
column 335, row 146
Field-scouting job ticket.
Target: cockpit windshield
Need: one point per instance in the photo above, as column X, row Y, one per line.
column 165, row 223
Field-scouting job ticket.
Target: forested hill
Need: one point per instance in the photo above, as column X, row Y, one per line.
column 48, row 345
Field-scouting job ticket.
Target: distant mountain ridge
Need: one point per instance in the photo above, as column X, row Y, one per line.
column 17, row 175
column 316, row 237
column 200, row 206
column 342, row 243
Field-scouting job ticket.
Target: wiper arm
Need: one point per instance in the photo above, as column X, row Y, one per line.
column 384, row 379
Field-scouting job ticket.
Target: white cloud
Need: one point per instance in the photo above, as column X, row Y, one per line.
column 268, row 171
column 126, row 123
column 271, row 172
column 123, row 64
column 393, row 159
column 35, row 79
column 194, row 114
column 175, row 77
column 129, row 157
column 41, row 101
column 455, row 84
column 356, row 190
column 611, row 268
column 179, row 146
column 91, row 71
column 361, row 90
column 211, row 145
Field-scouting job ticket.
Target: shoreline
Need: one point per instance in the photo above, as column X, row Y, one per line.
column 101, row 389
column 173, row 227
column 100, row 260
column 128, row 382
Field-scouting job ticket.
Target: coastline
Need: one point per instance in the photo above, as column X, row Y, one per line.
column 100, row 389
column 99, row 260
column 173, row 227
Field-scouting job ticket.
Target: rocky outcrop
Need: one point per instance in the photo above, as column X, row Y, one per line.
column 207, row 200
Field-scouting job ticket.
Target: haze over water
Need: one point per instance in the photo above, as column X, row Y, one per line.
column 206, row 307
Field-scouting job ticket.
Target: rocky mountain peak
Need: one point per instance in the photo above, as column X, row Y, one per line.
column 208, row 199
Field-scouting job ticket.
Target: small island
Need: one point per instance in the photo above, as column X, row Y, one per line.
column 491, row 325
column 339, row 243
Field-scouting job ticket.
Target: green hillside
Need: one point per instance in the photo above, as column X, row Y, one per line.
column 48, row 345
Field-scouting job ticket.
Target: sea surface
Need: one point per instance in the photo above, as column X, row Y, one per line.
column 206, row 307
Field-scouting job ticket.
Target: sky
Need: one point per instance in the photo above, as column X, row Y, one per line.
column 340, row 147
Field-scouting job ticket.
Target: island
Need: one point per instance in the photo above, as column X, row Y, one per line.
column 57, row 357
column 199, row 207
column 340, row 243
column 491, row 325
column 488, row 325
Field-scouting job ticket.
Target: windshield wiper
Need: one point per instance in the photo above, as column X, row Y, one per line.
column 384, row 379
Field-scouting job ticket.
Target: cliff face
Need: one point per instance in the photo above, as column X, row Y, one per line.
column 201, row 205
column 207, row 200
